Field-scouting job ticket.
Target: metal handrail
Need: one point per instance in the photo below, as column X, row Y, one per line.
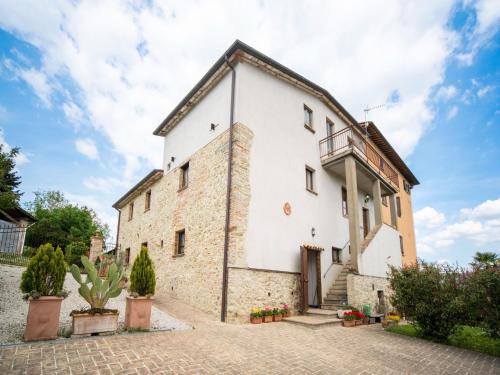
column 330, row 266
column 350, row 138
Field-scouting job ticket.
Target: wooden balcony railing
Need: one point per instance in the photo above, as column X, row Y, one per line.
column 351, row 139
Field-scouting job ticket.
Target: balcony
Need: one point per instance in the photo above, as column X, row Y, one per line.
column 351, row 141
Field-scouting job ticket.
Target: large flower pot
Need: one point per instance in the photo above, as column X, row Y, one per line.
column 287, row 314
column 86, row 324
column 359, row 322
column 349, row 323
column 43, row 318
column 138, row 312
column 268, row 319
column 277, row 318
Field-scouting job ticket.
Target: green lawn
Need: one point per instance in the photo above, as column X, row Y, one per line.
column 466, row 337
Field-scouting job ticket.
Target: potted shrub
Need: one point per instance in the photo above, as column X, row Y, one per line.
column 42, row 282
column 97, row 319
column 256, row 315
column 349, row 319
column 285, row 310
column 142, row 289
column 277, row 315
column 267, row 315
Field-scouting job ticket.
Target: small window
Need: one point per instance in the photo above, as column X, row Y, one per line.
column 336, row 255
column 184, row 176
column 344, row 202
column 401, row 245
column 308, row 119
column 147, row 201
column 407, row 187
column 398, row 206
column 180, row 242
column 310, row 180
column 384, row 200
column 127, row 256
column 130, row 211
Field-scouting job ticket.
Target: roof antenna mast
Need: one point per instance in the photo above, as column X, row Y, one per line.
column 368, row 109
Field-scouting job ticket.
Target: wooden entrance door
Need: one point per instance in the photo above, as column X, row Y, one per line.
column 366, row 222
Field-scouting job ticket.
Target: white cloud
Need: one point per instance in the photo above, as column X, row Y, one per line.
column 73, row 113
column 452, row 112
column 489, row 208
column 484, row 90
column 21, row 158
column 131, row 66
column 104, row 184
column 38, row 82
column 87, row 147
column 446, row 92
column 428, row 217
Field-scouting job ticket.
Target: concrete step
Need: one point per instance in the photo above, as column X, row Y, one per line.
column 332, row 306
column 321, row 313
column 336, row 295
column 312, row 322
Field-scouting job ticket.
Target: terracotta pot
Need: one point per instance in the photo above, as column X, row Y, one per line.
column 85, row 324
column 138, row 312
column 267, row 319
column 43, row 318
column 256, row 320
column 349, row 323
column 359, row 322
column 385, row 323
column 287, row 314
column 366, row 320
column 277, row 318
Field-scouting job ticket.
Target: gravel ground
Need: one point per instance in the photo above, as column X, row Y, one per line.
column 13, row 309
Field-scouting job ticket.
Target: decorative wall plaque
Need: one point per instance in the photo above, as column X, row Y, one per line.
column 287, row 209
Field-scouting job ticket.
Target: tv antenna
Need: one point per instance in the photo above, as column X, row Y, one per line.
column 366, row 110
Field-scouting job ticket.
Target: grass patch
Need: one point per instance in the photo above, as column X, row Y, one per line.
column 472, row 338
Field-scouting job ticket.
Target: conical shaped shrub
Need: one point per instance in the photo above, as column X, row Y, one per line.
column 45, row 273
column 142, row 277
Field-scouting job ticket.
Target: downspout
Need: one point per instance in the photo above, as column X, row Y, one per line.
column 223, row 311
column 118, row 232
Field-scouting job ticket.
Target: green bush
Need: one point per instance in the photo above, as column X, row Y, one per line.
column 45, row 273
column 142, row 277
column 475, row 338
column 74, row 252
column 429, row 294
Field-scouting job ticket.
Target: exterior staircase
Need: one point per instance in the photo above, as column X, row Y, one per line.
column 337, row 295
column 371, row 235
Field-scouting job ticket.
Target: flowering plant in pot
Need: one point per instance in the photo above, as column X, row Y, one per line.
column 97, row 318
column 393, row 318
column 343, row 310
column 267, row 314
column 42, row 282
column 359, row 317
column 349, row 319
column 285, row 310
column 256, row 315
column 142, row 289
column 277, row 315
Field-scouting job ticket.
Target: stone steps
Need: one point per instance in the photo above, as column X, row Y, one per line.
column 315, row 318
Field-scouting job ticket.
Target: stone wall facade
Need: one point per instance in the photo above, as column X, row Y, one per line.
column 251, row 287
column 363, row 290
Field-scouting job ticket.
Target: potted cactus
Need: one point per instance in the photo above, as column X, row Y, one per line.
column 97, row 319
column 142, row 289
column 42, row 282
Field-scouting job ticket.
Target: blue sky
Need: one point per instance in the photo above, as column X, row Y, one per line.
column 84, row 84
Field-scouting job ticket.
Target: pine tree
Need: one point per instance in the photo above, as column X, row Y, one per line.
column 9, row 178
column 45, row 273
column 142, row 277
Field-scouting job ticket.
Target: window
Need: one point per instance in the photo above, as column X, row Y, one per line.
column 127, row 256
column 407, row 187
column 180, row 242
column 344, row 202
column 330, row 129
column 147, row 202
column 310, row 180
column 398, row 206
column 130, row 211
column 336, row 255
column 308, row 119
column 384, row 200
column 184, row 177
column 401, row 245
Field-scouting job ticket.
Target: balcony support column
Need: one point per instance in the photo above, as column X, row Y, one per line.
column 394, row 215
column 353, row 210
column 377, row 201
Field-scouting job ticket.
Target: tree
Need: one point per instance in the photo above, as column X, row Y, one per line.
column 142, row 277
column 61, row 223
column 74, row 252
column 485, row 259
column 9, row 178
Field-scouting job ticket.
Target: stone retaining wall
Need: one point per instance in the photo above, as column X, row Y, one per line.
column 363, row 290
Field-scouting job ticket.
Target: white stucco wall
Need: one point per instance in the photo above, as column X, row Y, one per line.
column 383, row 250
column 281, row 148
column 193, row 131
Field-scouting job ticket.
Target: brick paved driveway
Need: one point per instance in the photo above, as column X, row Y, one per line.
column 277, row 348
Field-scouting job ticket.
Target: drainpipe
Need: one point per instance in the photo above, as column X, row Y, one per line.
column 223, row 311
column 118, row 233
